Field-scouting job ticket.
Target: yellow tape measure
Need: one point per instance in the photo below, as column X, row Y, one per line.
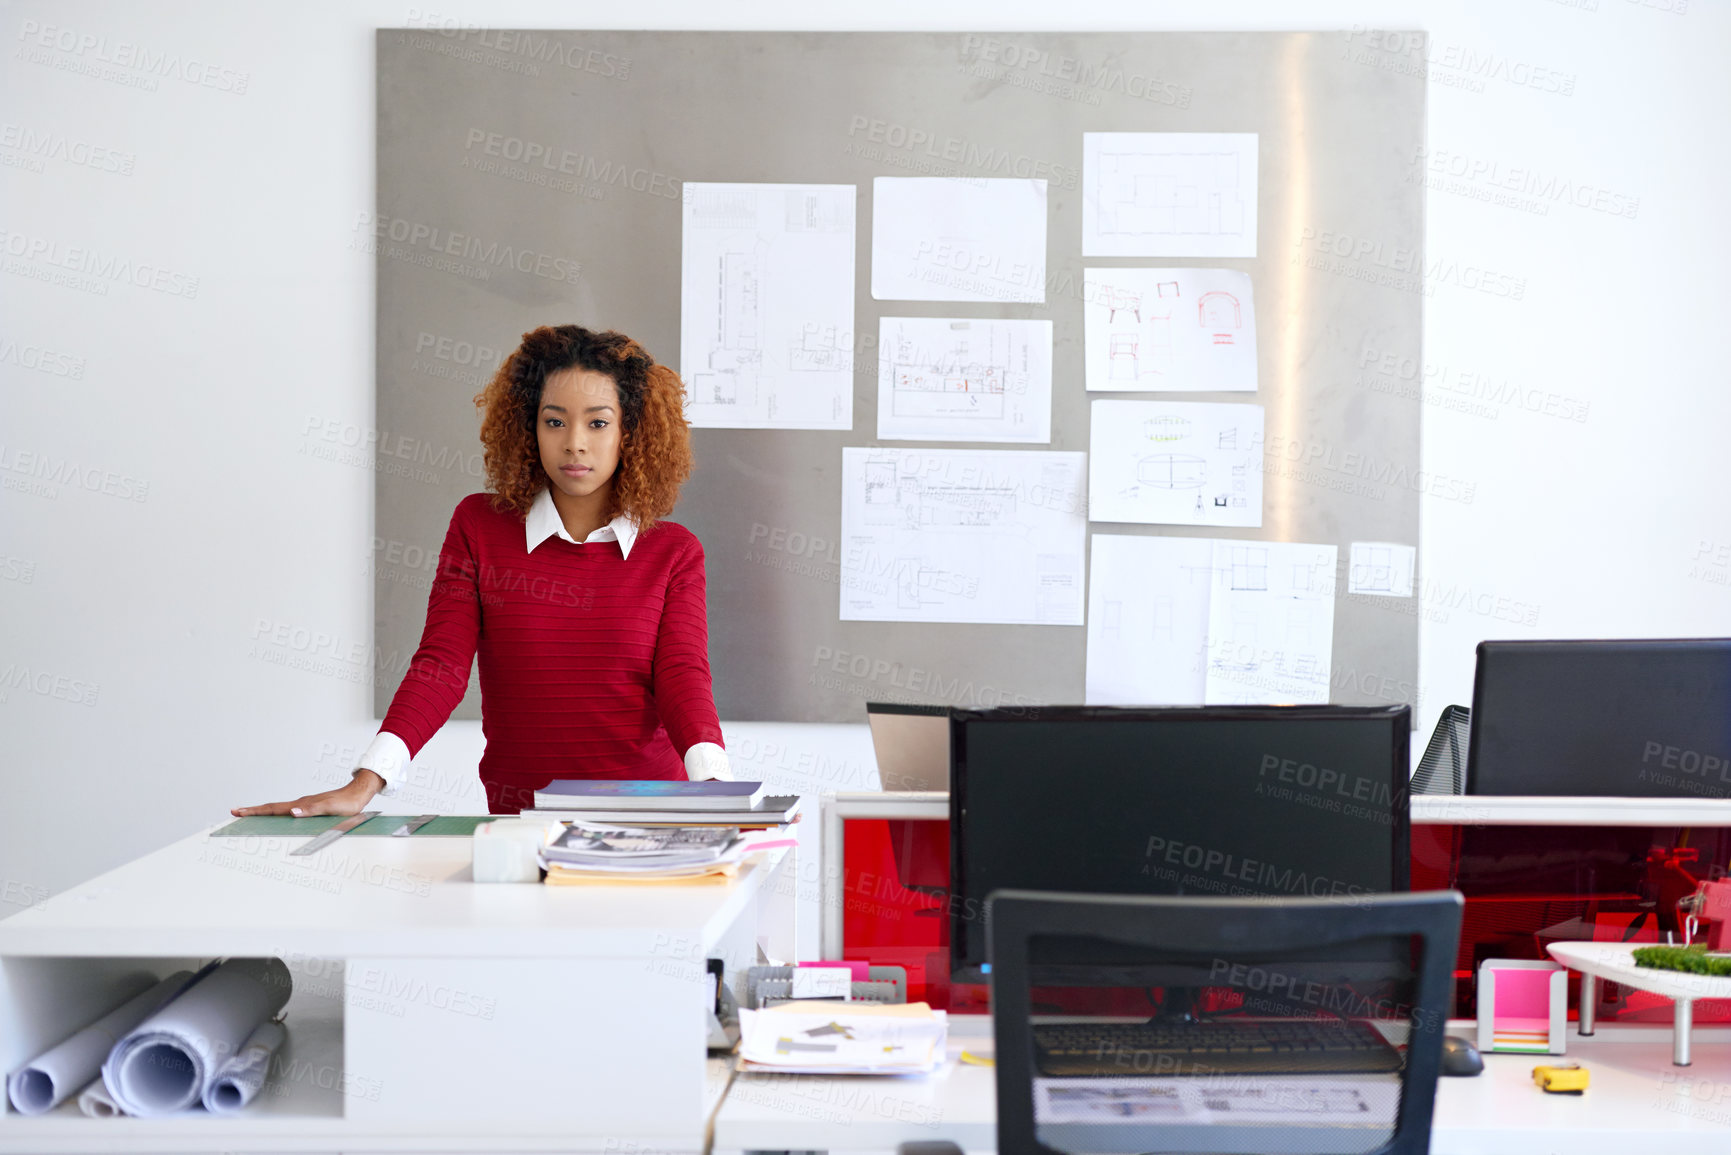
column 1569, row 1080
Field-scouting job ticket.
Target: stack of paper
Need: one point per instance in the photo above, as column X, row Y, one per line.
column 811, row 1038
column 590, row 851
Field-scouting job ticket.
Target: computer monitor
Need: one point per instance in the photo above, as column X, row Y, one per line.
column 1637, row 718
column 912, row 745
column 1288, row 801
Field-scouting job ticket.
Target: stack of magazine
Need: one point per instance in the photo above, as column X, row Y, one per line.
column 589, row 851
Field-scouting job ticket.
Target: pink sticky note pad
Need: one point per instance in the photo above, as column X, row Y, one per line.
column 860, row 971
column 1523, row 994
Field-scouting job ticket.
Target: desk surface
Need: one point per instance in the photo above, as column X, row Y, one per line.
column 1523, row 810
column 394, row 897
column 1425, row 809
column 1637, row 1102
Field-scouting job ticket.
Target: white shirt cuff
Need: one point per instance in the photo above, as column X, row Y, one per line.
column 387, row 756
column 707, row 760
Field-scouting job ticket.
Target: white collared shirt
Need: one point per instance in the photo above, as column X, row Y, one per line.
column 388, row 755
column 544, row 522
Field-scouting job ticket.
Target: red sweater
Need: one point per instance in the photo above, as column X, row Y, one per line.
column 592, row 665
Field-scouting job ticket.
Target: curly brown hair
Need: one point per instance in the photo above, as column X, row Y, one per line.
column 655, row 456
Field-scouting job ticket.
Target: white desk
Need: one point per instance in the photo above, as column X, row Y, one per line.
column 430, row 1013
column 1638, row 1102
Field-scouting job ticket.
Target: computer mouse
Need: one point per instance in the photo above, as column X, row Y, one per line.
column 1460, row 1057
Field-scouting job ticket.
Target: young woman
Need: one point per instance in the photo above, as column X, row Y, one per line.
column 586, row 608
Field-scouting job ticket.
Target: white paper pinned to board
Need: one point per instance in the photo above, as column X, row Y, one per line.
column 1169, row 194
column 944, row 239
column 766, row 305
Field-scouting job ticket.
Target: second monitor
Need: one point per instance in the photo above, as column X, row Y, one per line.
column 1286, row 801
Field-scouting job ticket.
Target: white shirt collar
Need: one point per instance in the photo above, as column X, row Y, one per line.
column 544, row 522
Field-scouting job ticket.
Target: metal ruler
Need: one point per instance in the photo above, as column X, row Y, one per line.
column 334, row 833
column 413, row 825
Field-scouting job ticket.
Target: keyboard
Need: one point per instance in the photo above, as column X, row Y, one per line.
column 1214, row 1047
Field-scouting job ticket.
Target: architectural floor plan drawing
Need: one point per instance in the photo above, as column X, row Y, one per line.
column 766, row 298
column 939, row 239
column 1188, row 621
column 964, row 379
column 962, row 535
column 1169, row 194
column 1175, row 462
column 1160, row 330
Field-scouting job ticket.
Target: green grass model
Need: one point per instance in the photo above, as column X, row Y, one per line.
column 1693, row 959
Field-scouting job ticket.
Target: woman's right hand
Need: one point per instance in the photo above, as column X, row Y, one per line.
column 345, row 800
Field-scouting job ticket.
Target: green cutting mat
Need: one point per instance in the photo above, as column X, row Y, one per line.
column 288, row 826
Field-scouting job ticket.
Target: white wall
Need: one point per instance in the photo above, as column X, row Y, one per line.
column 141, row 598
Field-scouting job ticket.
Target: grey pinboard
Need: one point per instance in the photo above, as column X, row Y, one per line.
column 474, row 248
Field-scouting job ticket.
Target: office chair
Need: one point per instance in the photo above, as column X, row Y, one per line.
column 1443, row 769
column 1054, row 940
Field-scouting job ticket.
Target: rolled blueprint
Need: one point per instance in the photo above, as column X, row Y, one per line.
column 241, row 1077
column 96, row 1102
column 56, row 1074
column 166, row 1063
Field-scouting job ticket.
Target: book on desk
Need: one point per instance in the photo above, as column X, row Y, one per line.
column 647, row 794
column 742, row 804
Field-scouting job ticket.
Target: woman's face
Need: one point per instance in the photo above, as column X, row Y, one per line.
column 579, row 427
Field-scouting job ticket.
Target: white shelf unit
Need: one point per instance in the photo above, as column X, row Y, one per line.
column 430, row 1013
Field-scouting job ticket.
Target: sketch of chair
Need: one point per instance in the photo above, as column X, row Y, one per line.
column 1165, row 429
column 1228, row 439
column 1300, row 646
column 1121, row 357
column 1167, row 289
column 1172, row 471
column 1241, row 651
column 1220, row 314
column 1249, row 568
column 1162, row 628
column 1123, row 301
column 1375, row 574
column 1157, row 358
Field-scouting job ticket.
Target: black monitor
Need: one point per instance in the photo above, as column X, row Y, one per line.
column 1285, row 801
column 1637, row 718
